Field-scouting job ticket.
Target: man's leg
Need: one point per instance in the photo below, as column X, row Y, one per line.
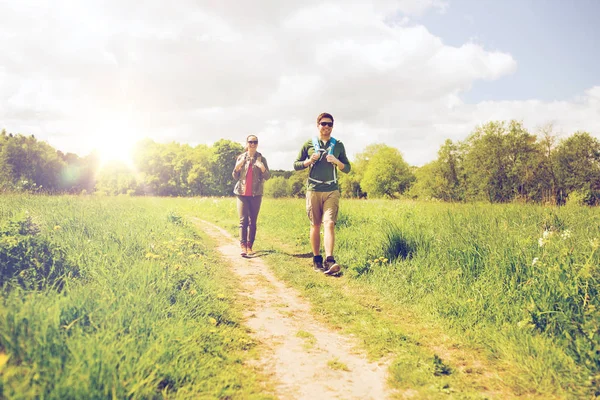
column 314, row 210
column 315, row 239
column 329, row 237
column 330, row 213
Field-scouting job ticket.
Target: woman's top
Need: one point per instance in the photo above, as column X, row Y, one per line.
column 250, row 178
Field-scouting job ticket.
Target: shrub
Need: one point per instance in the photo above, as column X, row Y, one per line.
column 28, row 259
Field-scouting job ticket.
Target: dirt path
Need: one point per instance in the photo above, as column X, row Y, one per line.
column 307, row 360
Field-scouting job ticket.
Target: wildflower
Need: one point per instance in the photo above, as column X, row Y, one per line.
column 57, row 228
column 595, row 243
column 525, row 324
column 546, row 234
column 541, row 242
column 212, row 321
column 193, row 292
column 535, row 261
column 566, row 234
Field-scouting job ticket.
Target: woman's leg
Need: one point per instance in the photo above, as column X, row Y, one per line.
column 255, row 203
column 243, row 206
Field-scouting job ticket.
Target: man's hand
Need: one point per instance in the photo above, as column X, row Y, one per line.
column 313, row 159
column 333, row 159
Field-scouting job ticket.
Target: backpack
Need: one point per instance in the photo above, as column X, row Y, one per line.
column 329, row 150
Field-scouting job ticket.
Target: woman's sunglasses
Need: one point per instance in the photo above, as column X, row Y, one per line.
column 326, row 123
column 252, row 141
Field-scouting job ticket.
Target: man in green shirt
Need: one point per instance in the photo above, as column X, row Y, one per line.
column 324, row 156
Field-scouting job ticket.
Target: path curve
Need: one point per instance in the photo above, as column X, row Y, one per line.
column 306, row 359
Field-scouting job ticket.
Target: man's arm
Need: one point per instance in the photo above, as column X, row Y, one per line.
column 301, row 161
column 343, row 159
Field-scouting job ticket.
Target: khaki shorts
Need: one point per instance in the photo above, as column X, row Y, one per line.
column 322, row 206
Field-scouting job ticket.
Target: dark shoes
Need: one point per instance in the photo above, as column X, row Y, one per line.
column 331, row 267
column 318, row 263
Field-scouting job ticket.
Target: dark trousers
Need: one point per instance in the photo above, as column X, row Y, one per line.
column 248, row 208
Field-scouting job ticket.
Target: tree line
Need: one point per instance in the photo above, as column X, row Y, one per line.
column 499, row 161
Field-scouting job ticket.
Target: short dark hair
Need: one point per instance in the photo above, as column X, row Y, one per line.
column 324, row 115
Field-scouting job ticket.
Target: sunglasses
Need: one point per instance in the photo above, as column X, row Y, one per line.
column 326, row 123
column 252, row 141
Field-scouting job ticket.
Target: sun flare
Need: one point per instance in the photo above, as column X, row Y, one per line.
column 115, row 144
column 115, row 151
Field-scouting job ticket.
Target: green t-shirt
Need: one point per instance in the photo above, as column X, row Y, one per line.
column 322, row 174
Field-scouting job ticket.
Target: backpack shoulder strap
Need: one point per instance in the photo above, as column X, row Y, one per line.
column 315, row 143
column 332, row 142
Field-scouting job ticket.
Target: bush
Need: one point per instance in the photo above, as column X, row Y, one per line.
column 28, row 259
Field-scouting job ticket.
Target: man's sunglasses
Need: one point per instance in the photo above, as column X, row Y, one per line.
column 326, row 123
column 253, row 141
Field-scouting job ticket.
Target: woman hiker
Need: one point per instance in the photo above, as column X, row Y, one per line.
column 251, row 171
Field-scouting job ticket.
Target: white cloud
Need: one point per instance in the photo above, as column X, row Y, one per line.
column 204, row 70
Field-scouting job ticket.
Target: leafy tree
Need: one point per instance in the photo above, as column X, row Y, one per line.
column 500, row 162
column 350, row 185
column 225, row 153
column 277, row 187
column 297, row 183
column 116, row 178
column 78, row 174
column 443, row 178
column 387, row 174
column 27, row 164
column 199, row 176
column 577, row 166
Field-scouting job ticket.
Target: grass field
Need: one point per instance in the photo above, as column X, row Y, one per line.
column 144, row 311
column 121, row 297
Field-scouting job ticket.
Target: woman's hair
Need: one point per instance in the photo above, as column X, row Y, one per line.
column 246, row 147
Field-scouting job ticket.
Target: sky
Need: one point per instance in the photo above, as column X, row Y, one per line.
column 86, row 75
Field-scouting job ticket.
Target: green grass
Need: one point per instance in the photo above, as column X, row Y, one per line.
column 463, row 298
column 337, row 365
column 467, row 271
column 149, row 316
column 309, row 339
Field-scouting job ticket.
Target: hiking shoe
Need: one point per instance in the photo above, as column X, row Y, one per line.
column 249, row 251
column 318, row 264
column 243, row 251
column 331, row 267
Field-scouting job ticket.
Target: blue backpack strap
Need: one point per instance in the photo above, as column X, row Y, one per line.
column 332, row 143
column 316, row 144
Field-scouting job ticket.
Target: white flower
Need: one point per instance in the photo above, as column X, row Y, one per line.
column 566, row 234
column 535, row 261
column 546, row 234
column 541, row 242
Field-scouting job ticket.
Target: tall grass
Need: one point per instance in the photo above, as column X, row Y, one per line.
column 149, row 315
column 519, row 280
